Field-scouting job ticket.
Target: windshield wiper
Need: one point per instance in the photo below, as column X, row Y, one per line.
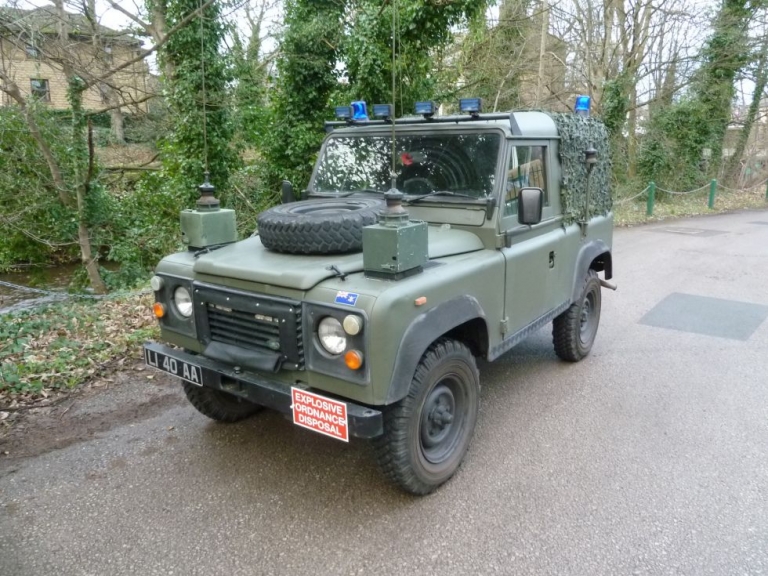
column 370, row 191
column 443, row 193
column 344, row 194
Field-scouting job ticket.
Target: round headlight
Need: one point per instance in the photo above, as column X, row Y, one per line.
column 183, row 301
column 157, row 283
column 331, row 335
column 353, row 325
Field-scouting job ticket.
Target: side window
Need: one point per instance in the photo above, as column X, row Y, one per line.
column 526, row 169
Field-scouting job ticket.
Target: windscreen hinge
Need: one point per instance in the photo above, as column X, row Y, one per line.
column 490, row 204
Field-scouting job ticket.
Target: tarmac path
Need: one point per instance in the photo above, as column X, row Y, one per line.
column 649, row 457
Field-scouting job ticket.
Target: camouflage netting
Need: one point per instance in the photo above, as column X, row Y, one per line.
column 576, row 135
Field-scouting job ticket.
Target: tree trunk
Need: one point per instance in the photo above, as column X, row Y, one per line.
column 542, row 48
column 632, row 132
column 733, row 168
column 159, row 28
column 90, row 262
column 117, row 123
column 724, row 55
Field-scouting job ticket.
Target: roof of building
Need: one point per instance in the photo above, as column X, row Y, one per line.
column 45, row 20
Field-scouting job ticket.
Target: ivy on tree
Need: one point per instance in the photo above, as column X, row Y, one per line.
column 325, row 39
column 307, row 76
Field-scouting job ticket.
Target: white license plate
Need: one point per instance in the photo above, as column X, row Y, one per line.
column 184, row 370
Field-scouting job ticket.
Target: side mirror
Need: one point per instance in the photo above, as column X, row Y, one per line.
column 287, row 191
column 530, row 203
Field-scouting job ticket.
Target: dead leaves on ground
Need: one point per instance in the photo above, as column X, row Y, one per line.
column 45, row 351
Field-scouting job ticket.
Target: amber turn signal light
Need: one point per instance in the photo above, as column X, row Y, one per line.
column 353, row 359
column 158, row 309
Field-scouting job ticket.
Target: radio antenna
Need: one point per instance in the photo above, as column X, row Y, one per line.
column 206, row 190
column 205, row 100
column 394, row 100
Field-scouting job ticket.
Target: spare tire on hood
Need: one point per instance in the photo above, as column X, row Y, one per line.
column 327, row 226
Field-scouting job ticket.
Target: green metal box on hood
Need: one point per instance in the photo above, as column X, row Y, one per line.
column 419, row 245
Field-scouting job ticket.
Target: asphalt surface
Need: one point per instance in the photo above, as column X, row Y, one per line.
column 649, row 457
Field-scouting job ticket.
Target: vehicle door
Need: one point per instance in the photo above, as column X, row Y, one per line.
column 530, row 252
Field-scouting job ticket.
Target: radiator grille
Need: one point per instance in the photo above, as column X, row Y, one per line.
column 252, row 322
column 243, row 328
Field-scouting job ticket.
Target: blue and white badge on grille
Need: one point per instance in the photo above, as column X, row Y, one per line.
column 348, row 298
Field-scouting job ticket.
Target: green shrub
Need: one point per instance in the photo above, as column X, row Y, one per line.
column 671, row 149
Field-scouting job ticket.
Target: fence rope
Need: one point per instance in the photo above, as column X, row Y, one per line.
column 753, row 187
column 625, row 200
column 705, row 187
column 700, row 189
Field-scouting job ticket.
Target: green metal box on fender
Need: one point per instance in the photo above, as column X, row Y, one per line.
column 420, row 244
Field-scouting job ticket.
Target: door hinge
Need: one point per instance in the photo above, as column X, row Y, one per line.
column 504, row 326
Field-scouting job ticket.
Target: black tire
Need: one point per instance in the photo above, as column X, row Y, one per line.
column 328, row 226
column 420, row 448
column 574, row 331
column 219, row 405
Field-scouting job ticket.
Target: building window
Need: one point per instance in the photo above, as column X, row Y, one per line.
column 40, row 89
column 32, row 51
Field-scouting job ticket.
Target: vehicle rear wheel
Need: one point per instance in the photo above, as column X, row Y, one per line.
column 219, row 405
column 428, row 432
column 574, row 331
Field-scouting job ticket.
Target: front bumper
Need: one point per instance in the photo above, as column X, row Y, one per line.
column 363, row 422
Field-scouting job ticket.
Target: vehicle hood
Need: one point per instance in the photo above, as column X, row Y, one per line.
column 250, row 260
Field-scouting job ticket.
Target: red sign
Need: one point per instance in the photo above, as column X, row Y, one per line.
column 320, row 414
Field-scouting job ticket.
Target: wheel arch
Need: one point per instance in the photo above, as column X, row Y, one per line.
column 460, row 318
column 596, row 255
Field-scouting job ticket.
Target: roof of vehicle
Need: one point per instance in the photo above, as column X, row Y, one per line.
column 523, row 124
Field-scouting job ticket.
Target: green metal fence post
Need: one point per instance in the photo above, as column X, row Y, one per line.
column 651, row 199
column 712, row 192
column 766, row 190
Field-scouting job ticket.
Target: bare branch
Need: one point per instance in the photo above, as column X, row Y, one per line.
column 122, row 104
column 146, row 27
column 144, row 53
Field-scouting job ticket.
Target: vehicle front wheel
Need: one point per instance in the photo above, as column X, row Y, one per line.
column 574, row 331
column 219, row 405
column 428, row 432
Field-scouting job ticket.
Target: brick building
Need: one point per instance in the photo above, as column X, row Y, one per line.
column 36, row 45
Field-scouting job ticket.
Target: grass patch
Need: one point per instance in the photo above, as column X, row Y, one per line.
column 62, row 345
column 678, row 206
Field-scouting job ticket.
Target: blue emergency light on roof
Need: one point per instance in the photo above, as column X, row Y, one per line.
column 383, row 111
column 343, row 112
column 359, row 111
column 425, row 109
column 581, row 107
column 471, row 105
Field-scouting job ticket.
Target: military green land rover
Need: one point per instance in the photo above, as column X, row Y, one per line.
column 419, row 244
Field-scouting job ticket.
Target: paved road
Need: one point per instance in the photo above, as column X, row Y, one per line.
column 650, row 457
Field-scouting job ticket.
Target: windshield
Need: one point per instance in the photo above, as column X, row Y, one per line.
column 460, row 163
